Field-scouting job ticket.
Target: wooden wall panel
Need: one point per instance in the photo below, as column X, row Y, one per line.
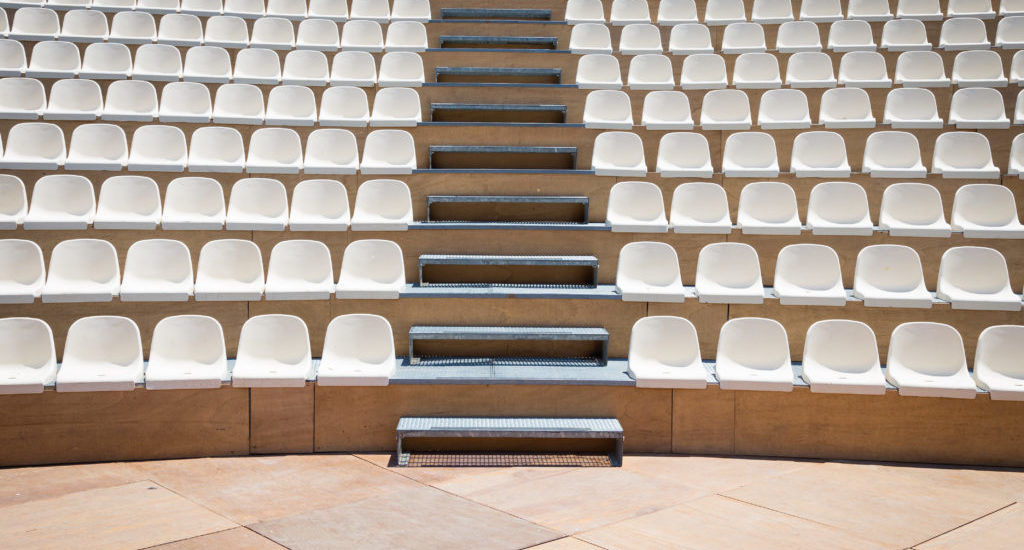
column 281, row 420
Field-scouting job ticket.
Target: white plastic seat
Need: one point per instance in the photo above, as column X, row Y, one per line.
column 84, row 26
column 28, row 361
column 226, row 31
column 106, row 62
column 34, row 24
column 75, row 99
column 913, row 210
column 13, row 201
column 257, row 204
column 809, row 275
column 664, row 353
column 97, row 147
column 1010, row 33
column 911, row 108
column 841, row 356
column 400, row 69
column 750, row 155
column 61, row 201
column 839, row 208
column 101, row 353
column 238, row 104
column 406, row 36
column 274, row 151
column 636, row 207
column 229, row 270
column 272, row 33
column 928, row 360
column 724, row 12
column 986, row 210
column 965, row 155
column 771, row 11
column 981, row 9
column 187, row 353
column 976, row 277
column 82, row 270
column 193, row 203
column 590, row 38
column 598, row 71
column 674, row 12
column 890, row 275
column 246, row 9
column 207, row 64
column 289, row 9
column 649, row 272
column 12, row 58
column 382, row 205
column 964, row 33
column 34, row 146
column 391, row 107
column 157, row 270
column 273, row 352
column 22, row 272
column 638, row 38
column 729, row 273
column 127, row 100
column 625, row 12
column 216, row 149
column 864, row 70
column 362, row 36
column 257, row 66
column 291, row 106
column 922, row 69
column 978, row 68
column 348, row 106
column 665, row 110
column 820, row 11
column 650, row 72
column 319, row 205
column 903, row 35
column 300, row 270
column 371, row 269
column 132, row 27
column 703, row 71
column 331, row 151
column 158, row 149
column 157, row 62
column 768, row 208
column 23, row 98
column 618, row 154
column 893, row 154
column 973, row 108
column 1011, row 7
column 786, row 108
column 202, row 7
column 753, row 354
column 584, row 11
column 798, row 36
column 690, row 38
column 605, row 109
column 684, row 155
column 997, row 362
column 850, row 36
column 700, row 207
column 756, row 70
column 388, row 152
column 725, row 110
column 869, row 10
column 157, row 6
column 810, row 70
column 373, row 10
column 54, row 60
column 318, row 34
column 179, row 29
column 1016, row 164
column 819, row 155
column 359, row 350
column 743, row 38
column 924, row 10
column 185, row 102
column 128, row 202
column 410, row 10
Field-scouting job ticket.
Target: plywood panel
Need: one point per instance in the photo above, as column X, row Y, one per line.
column 703, row 421
column 282, row 420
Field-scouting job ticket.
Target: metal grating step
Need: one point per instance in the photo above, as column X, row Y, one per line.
column 519, row 334
column 496, row 14
column 511, row 209
column 464, row 277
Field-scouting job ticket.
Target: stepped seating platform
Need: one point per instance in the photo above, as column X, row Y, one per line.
column 533, row 271
column 514, row 210
column 562, row 335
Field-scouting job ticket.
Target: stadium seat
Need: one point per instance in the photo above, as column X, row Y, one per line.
column 928, row 360
column 798, row 36
column 703, row 71
column 976, row 277
column 890, row 275
column 893, row 154
column 410, row 10
column 84, row 26
column 157, row 62
column 101, row 353
column 272, row 33
column 246, row 9
column 846, row 108
column 34, row 25
column 300, row 270
column 637, row 39
column 1018, row 111
column 61, row 201
column 810, row 70
column 598, row 72
column 128, row 202
column 700, row 207
column 913, row 210
column 1011, row 7
column 911, row 108
column 664, row 353
column 127, row 100
column 229, row 270
column 809, row 275
column 725, row 110
column 921, row 69
column 976, row 108
column 319, row 205
column 782, row 109
column 625, row 12
column 180, row 29
column 986, row 211
column 997, row 364
column 23, row 98
column 1010, row 33
column 666, row 110
column 608, row 110
column 841, row 356
column 273, row 352
column 768, row 208
column 331, row 151
column 864, row 70
column 193, row 203
column 187, row 353
column 650, row 72
column 978, row 68
column 82, row 270
column 346, row 106
column 756, row 70
column 839, row 208
column 132, row 27
column 724, row 12
column 226, row 31
column 753, row 354
column 54, row 60
column 106, row 62
column 288, row 9
column 820, row 11
column 202, row 7
column 743, row 38
column 819, row 155
column 274, row 151
column 78, row 99
column 382, row 205
column 771, row 11
column 371, row 269
column 318, row 34
column 750, row 155
column 904, row 35
column 158, row 149
column 388, row 152
column 689, row 39
column 34, row 146
column 981, row 9
column 257, row 66
column 291, row 106
column 157, row 270
column 590, row 38
column 257, row 204
column 729, row 273
column 649, row 272
column 28, row 362
column 684, row 155
column 618, row 154
column 585, row 11
column 13, row 201
column 401, row 69
column 185, row 102
column 22, row 272
column 207, row 64
column 373, row 10
column 216, row 149
column 12, row 58
column 924, row 10
column 636, row 207
column 964, row 155
column 157, row 6
column 362, row 36
column 964, row 33
column 406, row 36
column 869, row 10
column 238, row 104
column 674, row 12
column 850, row 36
column 359, row 350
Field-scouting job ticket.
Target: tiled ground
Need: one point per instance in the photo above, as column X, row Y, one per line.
column 359, row 501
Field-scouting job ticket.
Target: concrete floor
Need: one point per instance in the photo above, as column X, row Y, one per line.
column 359, row 501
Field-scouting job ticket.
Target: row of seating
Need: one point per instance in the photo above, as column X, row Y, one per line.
column 335, row 10
column 275, row 33
column 818, row 154
column 707, row 71
column 723, row 12
column 839, row 356
column 136, row 100
column 67, row 202
column 159, row 148
column 210, row 64
column 160, row 270
column 898, row 35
